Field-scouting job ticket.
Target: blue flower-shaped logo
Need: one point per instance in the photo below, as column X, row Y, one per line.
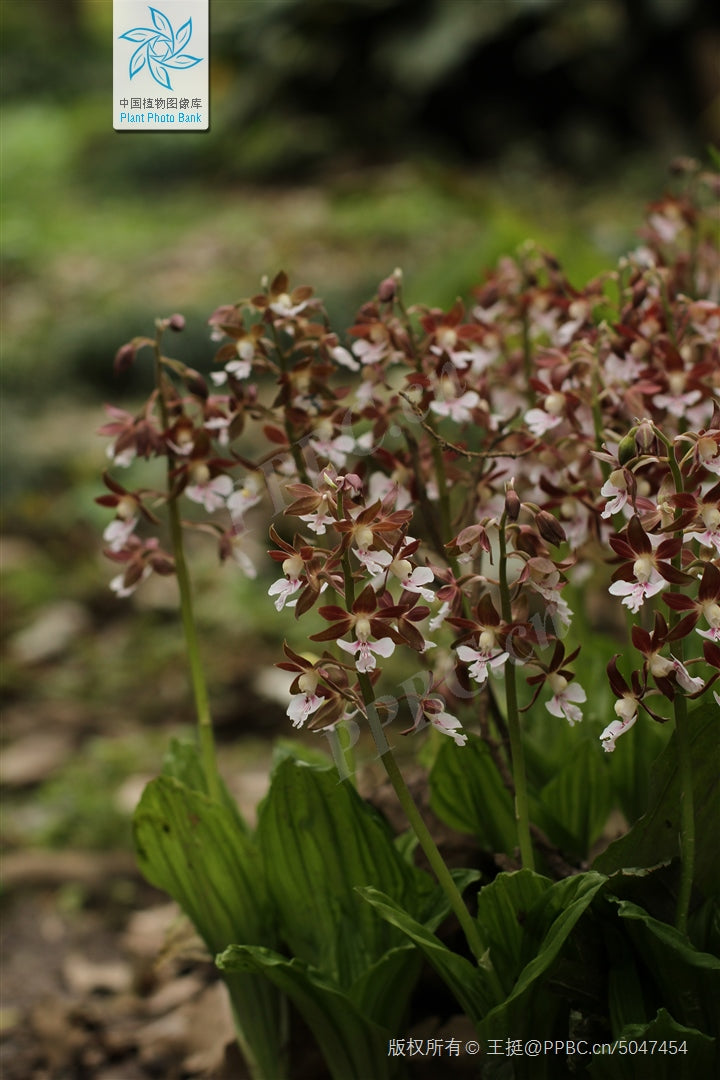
column 160, row 48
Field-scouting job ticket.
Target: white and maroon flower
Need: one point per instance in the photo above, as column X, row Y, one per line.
column 634, row 593
column 645, row 570
column 244, row 497
column 484, row 659
column 364, row 650
column 663, row 668
column 208, row 490
column 307, row 702
column 119, row 531
column 122, row 588
column 431, row 708
column 376, row 562
column 283, row 305
column 677, row 400
column 615, row 490
column 565, row 699
column 334, row 448
column 371, row 352
column 344, row 357
column 239, row 369
column 540, row 421
column 710, row 536
column 413, row 580
column 627, row 711
column 293, row 567
column 458, row 409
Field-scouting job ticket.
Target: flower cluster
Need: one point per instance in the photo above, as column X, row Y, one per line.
column 445, row 475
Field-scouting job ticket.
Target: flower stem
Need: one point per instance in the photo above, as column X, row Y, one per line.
column 428, row 845
column 684, row 748
column 687, row 812
column 206, row 737
column 517, row 752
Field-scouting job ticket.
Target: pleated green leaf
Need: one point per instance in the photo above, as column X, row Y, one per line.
column 354, row 1047
column 688, row 979
column 671, row 1052
column 468, row 983
column 577, row 801
column 546, row 927
column 502, row 914
column 381, row 994
column 192, row 848
column 319, row 841
column 466, row 791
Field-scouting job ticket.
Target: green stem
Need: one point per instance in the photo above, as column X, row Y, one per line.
column 444, row 499
column 684, row 746
column 206, row 738
column 517, row 751
column 295, row 448
column 428, row 845
column 687, row 808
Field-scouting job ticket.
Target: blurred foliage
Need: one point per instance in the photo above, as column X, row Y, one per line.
column 104, row 230
column 299, row 83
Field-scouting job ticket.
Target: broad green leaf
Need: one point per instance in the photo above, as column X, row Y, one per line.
column 467, row 793
column 626, row 997
column 192, row 848
column 654, row 838
column 469, row 984
column 695, row 1061
column 319, row 841
column 182, row 761
column 688, row 980
column 353, row 1046
column 578, row 800
column 503, row 907
column 546, row 928
column 704, row 926
column 437, row 906
column 381, row 993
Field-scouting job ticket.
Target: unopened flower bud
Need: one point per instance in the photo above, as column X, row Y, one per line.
column 162, row 564
column 512, row 503
column 195, row 383
column 644, row 436
column 386, row 289
column 176, row 322
column 639, row 293
column 124, row 358
column 627, row 449
column 549, row 527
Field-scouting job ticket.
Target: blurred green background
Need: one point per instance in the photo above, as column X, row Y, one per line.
column 348, row 137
